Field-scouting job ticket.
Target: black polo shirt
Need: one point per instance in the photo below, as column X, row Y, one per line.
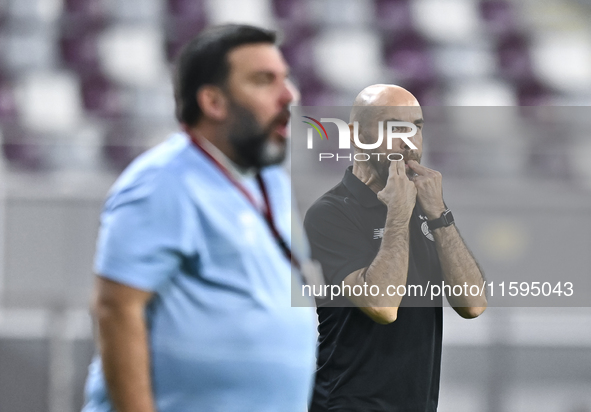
column 364, row 366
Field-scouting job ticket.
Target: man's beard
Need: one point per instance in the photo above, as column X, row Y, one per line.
column 251, row 141
column 382, row 167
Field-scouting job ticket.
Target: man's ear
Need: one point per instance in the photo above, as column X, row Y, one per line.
column 212, row 102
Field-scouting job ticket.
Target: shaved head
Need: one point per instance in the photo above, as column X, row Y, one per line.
column 380, row 95
column 385, row 103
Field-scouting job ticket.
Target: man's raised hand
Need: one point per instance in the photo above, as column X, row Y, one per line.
column 400, row 194
column 429, row 189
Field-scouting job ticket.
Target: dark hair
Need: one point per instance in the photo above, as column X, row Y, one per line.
column 204, row 61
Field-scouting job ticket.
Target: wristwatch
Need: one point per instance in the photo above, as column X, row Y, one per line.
column 446, row 219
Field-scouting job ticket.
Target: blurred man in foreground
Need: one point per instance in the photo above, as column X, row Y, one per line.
column 194, row 259
column 386, row 226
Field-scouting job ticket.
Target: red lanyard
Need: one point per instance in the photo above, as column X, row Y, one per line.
column 267, row 213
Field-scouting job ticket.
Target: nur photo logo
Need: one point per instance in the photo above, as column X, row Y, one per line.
column 391, row 131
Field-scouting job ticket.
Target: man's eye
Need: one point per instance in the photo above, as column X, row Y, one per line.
column 264, row 79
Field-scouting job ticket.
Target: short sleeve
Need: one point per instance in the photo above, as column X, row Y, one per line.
column 335, row 241
column 140, row 236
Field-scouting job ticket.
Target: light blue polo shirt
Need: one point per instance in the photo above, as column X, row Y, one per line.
column 223, row 335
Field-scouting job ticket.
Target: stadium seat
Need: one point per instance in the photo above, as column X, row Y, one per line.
column 121, row 144
column 563, row 61
column 179, row 30
column 498, row 16
column 185, row 19
column 100, row 96
column 297, row 47
column 7, row 99
column 20, row 148
column 409, row 57
column 513, row 57
column 186, row 8
column 85, row 8
column 348, row 59
column 449, row 21
column 480, row 92
column 255, row 12
column 49, row 101
column 428, row 93
column 133, row 54
column 79, row 43
column 27, row 46
column 291, row 11
column 453, row 62
column 532, row 92
column 393, row 16
column 138, row 11
column 314, row 91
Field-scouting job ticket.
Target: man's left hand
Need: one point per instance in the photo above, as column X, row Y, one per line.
column 429, row 189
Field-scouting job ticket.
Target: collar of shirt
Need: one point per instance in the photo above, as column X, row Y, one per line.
column 239, row 173
column 364, row 195
column 245, row 177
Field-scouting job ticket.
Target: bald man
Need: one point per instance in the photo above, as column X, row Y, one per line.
column 386, row 225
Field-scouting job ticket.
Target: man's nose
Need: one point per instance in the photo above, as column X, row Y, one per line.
column 289, row 93
column 399, row 143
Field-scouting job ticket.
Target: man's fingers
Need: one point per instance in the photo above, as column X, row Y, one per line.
column 418, row 168
column 393, row 168
column 400, row 167
column 396, row 168
column 418, row 178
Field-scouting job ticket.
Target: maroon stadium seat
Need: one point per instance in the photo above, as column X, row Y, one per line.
column 100, row 96
column 291, row 10
column 21, row 149
column 513, row 57
column 409, row 56
column 185, row 19
column 393, row 16
column 498, row 16
column 121, row 144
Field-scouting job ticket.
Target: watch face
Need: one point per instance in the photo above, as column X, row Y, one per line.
column 448, row 217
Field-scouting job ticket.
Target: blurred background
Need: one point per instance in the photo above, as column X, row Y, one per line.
column 85, row 87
